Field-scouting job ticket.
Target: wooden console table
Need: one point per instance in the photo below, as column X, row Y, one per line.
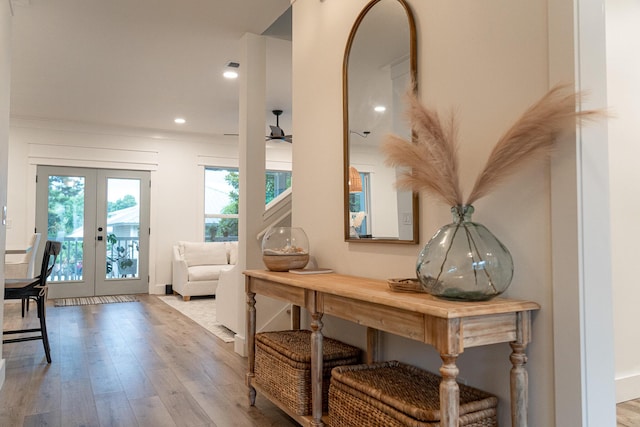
column 448, row 326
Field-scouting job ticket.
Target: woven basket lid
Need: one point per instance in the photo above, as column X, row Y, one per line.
column 408, row 389
column 296, row 345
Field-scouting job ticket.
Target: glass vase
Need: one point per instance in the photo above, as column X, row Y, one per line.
column 464, row 261
column 285, row 248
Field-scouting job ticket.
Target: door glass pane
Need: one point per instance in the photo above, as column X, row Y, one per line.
column 123, row 228
column 65, row 223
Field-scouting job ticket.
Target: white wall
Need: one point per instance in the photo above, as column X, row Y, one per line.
column 488, row 60
column 623, row 72
column 5, row 73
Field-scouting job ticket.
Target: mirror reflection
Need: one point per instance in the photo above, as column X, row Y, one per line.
column 379, row 66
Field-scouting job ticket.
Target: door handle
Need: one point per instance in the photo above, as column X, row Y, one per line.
column 99, row 238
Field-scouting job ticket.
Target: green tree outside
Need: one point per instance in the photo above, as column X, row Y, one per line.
column 229, row 226
column 123, row 203
column 66, row 205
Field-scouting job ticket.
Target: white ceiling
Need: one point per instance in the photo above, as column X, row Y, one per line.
column 141, row 63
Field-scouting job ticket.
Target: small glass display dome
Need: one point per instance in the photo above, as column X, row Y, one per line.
column 285, row 248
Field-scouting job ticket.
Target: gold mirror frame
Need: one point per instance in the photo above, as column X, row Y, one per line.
column 347, row 129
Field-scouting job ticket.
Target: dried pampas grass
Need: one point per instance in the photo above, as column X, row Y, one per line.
column 431, row 160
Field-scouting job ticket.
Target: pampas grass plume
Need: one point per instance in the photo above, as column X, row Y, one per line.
column 431, row 158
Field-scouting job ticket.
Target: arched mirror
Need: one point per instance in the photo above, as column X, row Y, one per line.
column 380, row 64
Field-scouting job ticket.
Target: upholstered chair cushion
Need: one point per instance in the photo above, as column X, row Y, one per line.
column 205, row 253
column 198, row 273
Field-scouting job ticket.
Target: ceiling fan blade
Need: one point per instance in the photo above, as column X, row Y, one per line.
column 276, row 132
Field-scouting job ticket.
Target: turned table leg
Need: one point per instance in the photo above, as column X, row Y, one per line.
column 251, row 344
column 316, row 369
column 519, row 376
column 449, row 391
column 519, row 385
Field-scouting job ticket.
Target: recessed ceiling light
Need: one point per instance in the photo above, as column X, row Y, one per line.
column 380, row 108
column 230, row 71
column 180, row 120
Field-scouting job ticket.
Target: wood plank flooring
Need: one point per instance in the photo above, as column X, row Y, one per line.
column 137, row 364
column 628, row 413
column 128, row 364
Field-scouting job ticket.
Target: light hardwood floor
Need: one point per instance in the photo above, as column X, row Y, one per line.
column 137, row 364
column 628, row 413
column 128, row 364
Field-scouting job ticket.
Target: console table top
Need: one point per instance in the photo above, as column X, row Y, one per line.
column 378, row 291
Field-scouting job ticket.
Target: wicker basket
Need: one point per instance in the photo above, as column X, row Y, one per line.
column 392, row 394
column 283, row 366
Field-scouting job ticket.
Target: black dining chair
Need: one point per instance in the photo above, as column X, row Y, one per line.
column 36, row 289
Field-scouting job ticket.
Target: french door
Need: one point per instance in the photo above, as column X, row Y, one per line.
column 101, row 216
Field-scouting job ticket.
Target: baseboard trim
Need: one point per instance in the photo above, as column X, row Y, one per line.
column 2, row 371
column 157, row 289
column 627, row 388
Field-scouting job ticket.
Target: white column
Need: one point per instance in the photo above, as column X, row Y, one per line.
column 251, row 165
column 597, row 285
column 582, row 285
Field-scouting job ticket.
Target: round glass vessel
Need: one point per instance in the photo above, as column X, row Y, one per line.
column 285, row 248
column 464, row 261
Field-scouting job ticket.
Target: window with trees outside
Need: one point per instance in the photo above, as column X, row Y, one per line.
column 221, row 200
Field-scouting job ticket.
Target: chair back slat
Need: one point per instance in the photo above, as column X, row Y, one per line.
column 51, row 251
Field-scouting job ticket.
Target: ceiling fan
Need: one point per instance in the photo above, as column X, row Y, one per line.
column 276, row 131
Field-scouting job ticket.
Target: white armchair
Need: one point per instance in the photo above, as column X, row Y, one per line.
column 23, row 267
column 197, row 266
